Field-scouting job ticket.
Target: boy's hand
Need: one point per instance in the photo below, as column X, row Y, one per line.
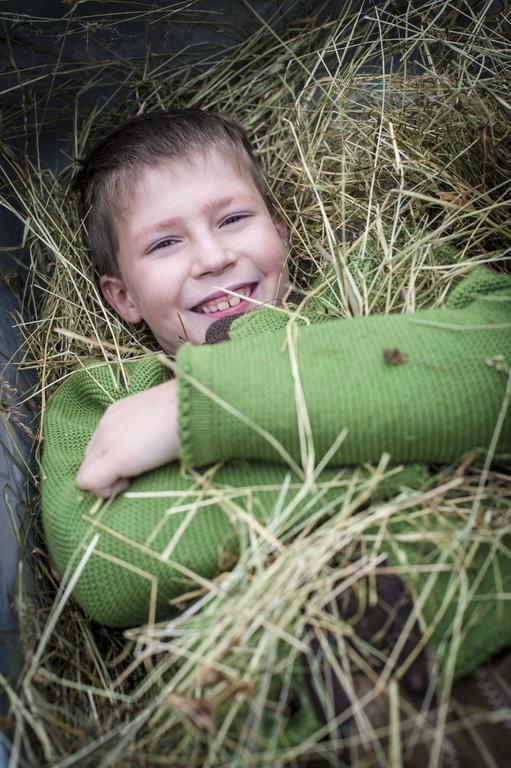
column 136, row 434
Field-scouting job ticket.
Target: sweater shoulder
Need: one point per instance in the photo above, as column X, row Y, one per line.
column 96, row 384
column 323, row 303
column 481, row 282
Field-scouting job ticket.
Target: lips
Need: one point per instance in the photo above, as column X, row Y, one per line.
column 220, row 303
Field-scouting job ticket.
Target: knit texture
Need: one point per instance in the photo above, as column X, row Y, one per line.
column 437, row 398
column 441, row 401
column 145, row 547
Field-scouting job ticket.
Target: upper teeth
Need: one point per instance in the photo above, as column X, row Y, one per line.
column 224, row 302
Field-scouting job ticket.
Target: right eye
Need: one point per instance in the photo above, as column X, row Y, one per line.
column 163, row 244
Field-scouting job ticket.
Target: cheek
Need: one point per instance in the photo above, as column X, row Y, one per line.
column 280, row 261
column 195, row 333
column 157, row 289
column 273, row 253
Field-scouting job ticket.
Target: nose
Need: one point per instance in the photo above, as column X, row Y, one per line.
column 211, row 255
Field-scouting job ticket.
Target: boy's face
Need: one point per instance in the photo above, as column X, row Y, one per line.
column 191, row 230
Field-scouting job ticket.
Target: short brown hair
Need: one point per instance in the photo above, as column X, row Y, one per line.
column 110, row 171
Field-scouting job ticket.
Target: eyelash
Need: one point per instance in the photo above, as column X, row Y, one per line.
column 165, row 243
column 236, row 216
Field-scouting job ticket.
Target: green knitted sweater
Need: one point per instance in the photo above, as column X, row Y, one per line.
column 438, row 397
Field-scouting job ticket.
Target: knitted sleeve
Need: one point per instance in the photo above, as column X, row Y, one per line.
column 422, row 387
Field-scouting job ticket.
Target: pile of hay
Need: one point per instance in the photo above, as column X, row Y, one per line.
column 387, row 144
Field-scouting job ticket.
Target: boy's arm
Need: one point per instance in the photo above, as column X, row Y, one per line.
column 423, row 387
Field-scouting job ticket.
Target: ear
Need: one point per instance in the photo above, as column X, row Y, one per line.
column 117, row 295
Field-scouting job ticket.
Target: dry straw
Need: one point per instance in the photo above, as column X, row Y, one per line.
column 386, row 141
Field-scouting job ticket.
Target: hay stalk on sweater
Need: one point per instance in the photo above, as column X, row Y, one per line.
column 399, row 180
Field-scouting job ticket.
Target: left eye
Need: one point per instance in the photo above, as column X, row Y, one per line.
column 233, row 219
column 164, row 244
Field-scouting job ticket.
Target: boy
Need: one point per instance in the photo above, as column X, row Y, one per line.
column 170, row 272
column 185, row 239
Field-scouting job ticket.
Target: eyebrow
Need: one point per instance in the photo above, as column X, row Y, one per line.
column 209, row 207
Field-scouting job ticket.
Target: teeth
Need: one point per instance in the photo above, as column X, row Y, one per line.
column 220, row 305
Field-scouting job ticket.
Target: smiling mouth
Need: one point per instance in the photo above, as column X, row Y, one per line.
column 227, row 304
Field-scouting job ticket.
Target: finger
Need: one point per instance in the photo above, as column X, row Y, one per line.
column 98, row 474
column 104, row 489
column 97, row 442
column 86, row 470
column 113, row 489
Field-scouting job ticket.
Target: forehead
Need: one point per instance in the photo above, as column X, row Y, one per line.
column 211, row 164
column 179, row 190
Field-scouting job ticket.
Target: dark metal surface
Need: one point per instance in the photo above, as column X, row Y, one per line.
column 16, row 425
